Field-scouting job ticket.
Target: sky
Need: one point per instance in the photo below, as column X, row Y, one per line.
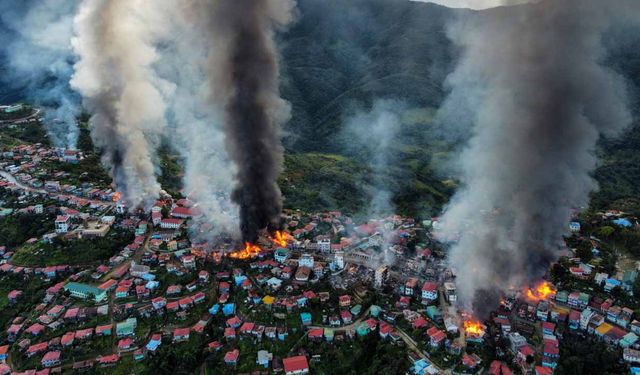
column 474, row 4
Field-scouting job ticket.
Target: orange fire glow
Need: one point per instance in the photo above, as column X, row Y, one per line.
column 282, row 238
column 473, row 328
column 249, row 251
column 543, row 291
column 116, row 196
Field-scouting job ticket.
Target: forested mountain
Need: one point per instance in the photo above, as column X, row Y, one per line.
column 342, row 57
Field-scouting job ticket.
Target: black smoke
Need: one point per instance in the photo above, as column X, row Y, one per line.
column 244, row 82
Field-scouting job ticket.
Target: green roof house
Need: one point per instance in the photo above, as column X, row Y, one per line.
column 85, row 291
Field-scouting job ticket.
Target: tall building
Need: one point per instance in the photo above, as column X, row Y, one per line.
column 381, row 276
column 339, row 259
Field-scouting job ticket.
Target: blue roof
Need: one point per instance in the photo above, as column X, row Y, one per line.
column 229, row 309
column 305, row 317
column 214, row 309
column 613, row 282
column 623, row 222
column 153, row 345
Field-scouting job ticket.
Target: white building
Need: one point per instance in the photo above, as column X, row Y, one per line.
column 121, row 208
column 305, row 260
column 585, row 318
column 38, row 209
column 380, row 276
column 631, row 355
column 324, row 245
column 516, row 341
column 339, row 259
column 450, row 292
column 62, row 223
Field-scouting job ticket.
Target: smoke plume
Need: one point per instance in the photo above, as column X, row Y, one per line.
column 243, row 77
column 196, row 126
column 531, row 77
column 36, row 45
column 115, row 46
column 372, row 137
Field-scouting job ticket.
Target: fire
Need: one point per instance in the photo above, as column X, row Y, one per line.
column 116, row 196
column 281, row 238
column 249, row 251
column 542, row 292
column 473, row 328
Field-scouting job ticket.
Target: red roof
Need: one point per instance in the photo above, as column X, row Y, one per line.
column 551, row 349
column 543, row 370
column 316, row 333
column 181, row 332
column 109, row 359
column 429, row 286
column 526, row 350
column 36, row 348
column 232, row 356
column 51, row 356
column 294, row 364
column 67, row 338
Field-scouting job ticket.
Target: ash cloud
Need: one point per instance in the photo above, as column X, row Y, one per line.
column 115, row 46
column 243, row 77
column 540, row 100
column 36, row 45
column 196, row 126
column 372, row 136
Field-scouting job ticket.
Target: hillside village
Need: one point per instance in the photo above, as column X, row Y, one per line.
column 89, row 286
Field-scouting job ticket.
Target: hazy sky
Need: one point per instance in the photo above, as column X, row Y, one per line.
column 474, row 4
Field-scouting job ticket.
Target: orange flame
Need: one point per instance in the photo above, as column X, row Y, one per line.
column 116, row 196
column 281, row 238
column 542, row 292
column 249, row 251
column 473, row 328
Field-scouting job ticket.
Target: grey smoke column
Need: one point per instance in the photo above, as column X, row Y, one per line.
column 540, row 101
column 114, row 74
column 244, row 83
column 35, row 38
column 196, row 126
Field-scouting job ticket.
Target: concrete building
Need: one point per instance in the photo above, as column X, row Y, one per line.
column 381, row 275
column 84, row 291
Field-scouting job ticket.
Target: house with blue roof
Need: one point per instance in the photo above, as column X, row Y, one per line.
column 623, row 222
column 610, row 284
column 229, row 309
column 214, row 309
column 574, row 226
column 305, row 317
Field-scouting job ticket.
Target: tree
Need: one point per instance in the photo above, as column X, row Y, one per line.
column 606, row 231
column 584, row 251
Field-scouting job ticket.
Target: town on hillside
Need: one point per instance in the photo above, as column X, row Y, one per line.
column 87, row 286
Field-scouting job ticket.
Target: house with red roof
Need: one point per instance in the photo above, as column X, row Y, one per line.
column 229, row 333
column 125, row 343
column 37, row 349
column 108, row 360
column 185, row 303
column 51, row 359
column 296, row 365
column 181, row 334
column 346, row 316
column 316, row 334
column 344, row 300
column 234, row 322
column 14, row 295
column 429, row 292
column 68, row 339
column 420, row 322
column 436, row 337
column 36, row 329
column 173, row 306
column 231, row 357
